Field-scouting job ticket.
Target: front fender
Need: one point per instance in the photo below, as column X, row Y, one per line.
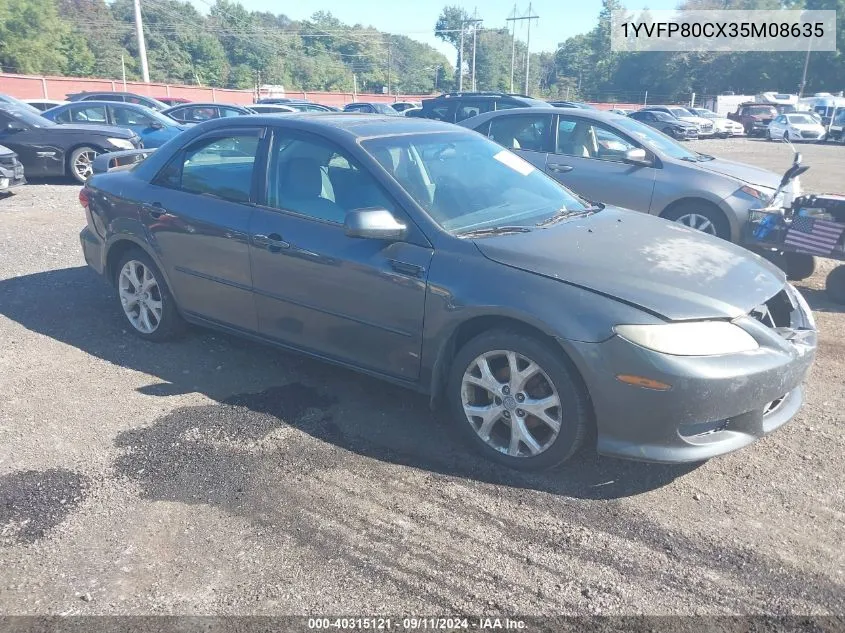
column 477, row 292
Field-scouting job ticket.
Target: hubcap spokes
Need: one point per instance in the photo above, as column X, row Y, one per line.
column 511, row 403
column 84, row 164
column 697, row 222
column 140, row 296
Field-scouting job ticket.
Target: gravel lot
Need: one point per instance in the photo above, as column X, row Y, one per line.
column 212, row 475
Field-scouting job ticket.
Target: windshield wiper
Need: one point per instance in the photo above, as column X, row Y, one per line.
column 494, row 230
column 704, row 157
column 565, row 214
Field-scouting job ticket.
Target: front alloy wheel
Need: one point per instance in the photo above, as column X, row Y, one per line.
column 518, row 399
column 511, row 403
column 81, row 163
column 140, row 296
column 698, row 222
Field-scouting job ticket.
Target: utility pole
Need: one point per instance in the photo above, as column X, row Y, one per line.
column 513, row 43
column 461, row 61
column 388, row 64
column 804, row 74
column 515, row 19
column 528, row 47
column 475, row 23
column 142, row 47
column 436, row 76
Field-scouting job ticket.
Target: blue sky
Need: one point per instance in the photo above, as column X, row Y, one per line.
column 559, row 19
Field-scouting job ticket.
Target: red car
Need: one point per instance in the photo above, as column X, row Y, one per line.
column 172, row 101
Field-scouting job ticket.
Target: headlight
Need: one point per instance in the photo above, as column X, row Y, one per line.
column 761, row 195
column 699, row 338
column 122, row 143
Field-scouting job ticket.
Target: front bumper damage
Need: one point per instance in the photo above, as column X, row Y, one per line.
column 716, row 404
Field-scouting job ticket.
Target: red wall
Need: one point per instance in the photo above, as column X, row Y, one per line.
column 35, row 87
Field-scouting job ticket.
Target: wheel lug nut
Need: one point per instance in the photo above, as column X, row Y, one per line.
column 520, row 413
column 520, row 397
column 507, row 414
column 506, row 390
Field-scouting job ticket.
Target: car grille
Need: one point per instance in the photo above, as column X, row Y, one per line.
column 807, row 134
column 706, row 127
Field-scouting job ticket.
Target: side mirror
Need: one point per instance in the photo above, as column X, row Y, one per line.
column 637, row 156
column 14, row 126
column 374, row 224
column 156, row 125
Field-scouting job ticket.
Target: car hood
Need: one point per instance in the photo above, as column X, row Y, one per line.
column 696, row 120
column 104, row 130
column 809, row 127
column 656, row 265
column 741, row 172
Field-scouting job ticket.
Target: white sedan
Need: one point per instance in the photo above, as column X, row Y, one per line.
column 722, row 126
column 795, row 126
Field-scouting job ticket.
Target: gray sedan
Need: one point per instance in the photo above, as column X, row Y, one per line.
column 617, row 160
column 427, row 255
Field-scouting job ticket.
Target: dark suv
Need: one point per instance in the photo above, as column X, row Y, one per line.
column 126, row 97
column 457, row 106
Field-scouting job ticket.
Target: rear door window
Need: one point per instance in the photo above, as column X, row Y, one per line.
column 523, row 131
column 219, row 165
column 88, row 114
column 470, row 108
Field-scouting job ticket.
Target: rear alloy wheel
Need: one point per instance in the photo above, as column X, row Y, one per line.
column 81, row 163
column 518, row 401
column 700, row 217
column 145, row 298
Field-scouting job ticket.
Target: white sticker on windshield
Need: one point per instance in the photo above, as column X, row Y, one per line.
column 514, row 162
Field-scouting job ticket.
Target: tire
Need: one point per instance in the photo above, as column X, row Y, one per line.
column 690, row 212
column 786, row 137
column 799, row 266
column 769, row 135
column 554, row 375
column 80, row 157
column 160, row 324
column 835, row 284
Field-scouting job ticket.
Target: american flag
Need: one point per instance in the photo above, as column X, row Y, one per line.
column 813, row 236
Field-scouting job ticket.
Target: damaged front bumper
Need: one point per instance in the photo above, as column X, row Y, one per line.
column 715, row 404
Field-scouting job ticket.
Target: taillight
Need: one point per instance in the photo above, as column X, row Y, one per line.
column 83, row 198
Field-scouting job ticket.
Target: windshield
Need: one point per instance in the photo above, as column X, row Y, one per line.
column 662, row 116
column 466, row 182
column 761, row 110
column 680, row 112
column 383, row 108
column 800, row 118
column 655, row 141
column 30, row 118
column 707, row 114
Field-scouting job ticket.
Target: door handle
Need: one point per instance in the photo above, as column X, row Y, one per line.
column 405, row 268
column 158, row 211
column 272, row 242
column 560, row 169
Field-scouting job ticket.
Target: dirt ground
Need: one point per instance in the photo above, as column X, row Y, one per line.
column 212, row 475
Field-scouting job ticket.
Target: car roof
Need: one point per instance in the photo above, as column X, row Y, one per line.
column 97, row 102
column 352, row 124
column 584, row 113
column 203, row 104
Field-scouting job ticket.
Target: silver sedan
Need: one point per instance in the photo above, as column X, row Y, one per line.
column 616, row 160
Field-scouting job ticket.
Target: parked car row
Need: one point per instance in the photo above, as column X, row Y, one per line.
column 450, row 261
